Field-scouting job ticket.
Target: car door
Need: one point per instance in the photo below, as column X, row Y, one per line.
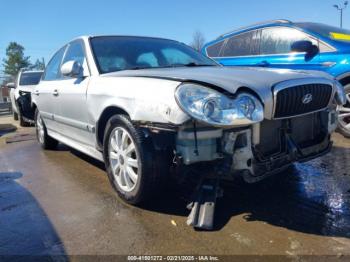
column 71, row 97
column 237, row 50
column 275, row 49
column 44, row 94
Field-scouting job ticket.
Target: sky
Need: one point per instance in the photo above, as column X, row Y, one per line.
column 43, row 26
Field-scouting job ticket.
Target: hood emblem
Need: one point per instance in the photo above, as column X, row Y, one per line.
column 307, row 98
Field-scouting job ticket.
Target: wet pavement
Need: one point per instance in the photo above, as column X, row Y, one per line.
column 60, row 202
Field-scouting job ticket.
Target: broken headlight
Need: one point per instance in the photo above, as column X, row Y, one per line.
column 212, row 107
column 340, row 96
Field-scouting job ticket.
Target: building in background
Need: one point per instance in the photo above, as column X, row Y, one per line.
column 4, row 94
column 4, row 91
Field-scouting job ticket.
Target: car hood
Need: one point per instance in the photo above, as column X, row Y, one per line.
column 26, row 88
column 228, row 78
column 259, row 80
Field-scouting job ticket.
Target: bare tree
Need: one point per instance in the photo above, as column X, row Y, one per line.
column 198, row 40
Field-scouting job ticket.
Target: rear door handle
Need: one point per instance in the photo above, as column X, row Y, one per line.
column 55, row 92
column 36, row 92
column 263, row 63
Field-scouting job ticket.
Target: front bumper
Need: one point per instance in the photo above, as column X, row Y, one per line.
column 258, row 151
column 280, row 163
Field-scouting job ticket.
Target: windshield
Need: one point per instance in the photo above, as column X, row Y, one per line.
column 31, row 78
column 332, row 32
column 115, row 53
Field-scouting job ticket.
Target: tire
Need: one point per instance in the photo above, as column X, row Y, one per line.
column 344, row 115
column 134, row 174
column 45, row 141
column 15, row 116
column 22, row 122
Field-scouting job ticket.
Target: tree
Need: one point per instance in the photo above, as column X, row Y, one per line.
column 15, row 59
column 39, row 64
column 198, row 40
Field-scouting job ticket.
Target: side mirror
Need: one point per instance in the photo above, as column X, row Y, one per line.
column 71, row 69
column 305, row 46
column 301, row 46
column 10, row 85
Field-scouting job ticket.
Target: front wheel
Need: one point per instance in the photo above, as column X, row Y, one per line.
column 45, row 141
column 130, row 161
column 344, row 115
column 22, row 122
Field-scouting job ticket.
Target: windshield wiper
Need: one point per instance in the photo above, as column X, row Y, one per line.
column 138, row 68
column 192, row 64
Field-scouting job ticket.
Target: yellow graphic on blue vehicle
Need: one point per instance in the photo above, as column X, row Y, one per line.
column 339, row 36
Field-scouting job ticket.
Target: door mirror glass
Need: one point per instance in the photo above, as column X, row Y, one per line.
column 10, row 85
column 301, row 46
column 305, row 46
column 71, row 69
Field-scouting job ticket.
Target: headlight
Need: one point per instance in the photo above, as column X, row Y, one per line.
column 340, row 96
column 212, row 107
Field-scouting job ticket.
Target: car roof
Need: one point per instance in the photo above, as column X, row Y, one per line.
column 87, row 37
column 258, row 25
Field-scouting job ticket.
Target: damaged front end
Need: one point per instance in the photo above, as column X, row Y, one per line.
column 260, row 150
column 25, row 107
column 234, row 136
column 298, row 129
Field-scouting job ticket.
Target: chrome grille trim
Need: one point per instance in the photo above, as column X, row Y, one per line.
column 299, row 82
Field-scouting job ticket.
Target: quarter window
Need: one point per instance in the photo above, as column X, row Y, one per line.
column 214, row 50
column 52, row 69
column 324, row 48
column 278, row 40
column 244, row 44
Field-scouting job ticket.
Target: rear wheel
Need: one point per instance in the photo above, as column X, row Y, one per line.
column 43, row 138
column 130, row 161
column 344, row 115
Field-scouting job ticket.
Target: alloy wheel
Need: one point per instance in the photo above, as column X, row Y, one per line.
column 123, row 158
column 344, row 114
column 40, row 129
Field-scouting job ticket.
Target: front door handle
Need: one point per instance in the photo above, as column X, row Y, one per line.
column 55, row 92
column 263, row 63
column 36, row 92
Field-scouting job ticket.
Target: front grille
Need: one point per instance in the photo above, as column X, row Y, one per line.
column 289, row 101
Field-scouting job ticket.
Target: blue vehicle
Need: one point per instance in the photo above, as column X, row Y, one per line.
column 284, row 44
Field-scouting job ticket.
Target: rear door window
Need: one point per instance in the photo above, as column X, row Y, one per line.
column 245, row 44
